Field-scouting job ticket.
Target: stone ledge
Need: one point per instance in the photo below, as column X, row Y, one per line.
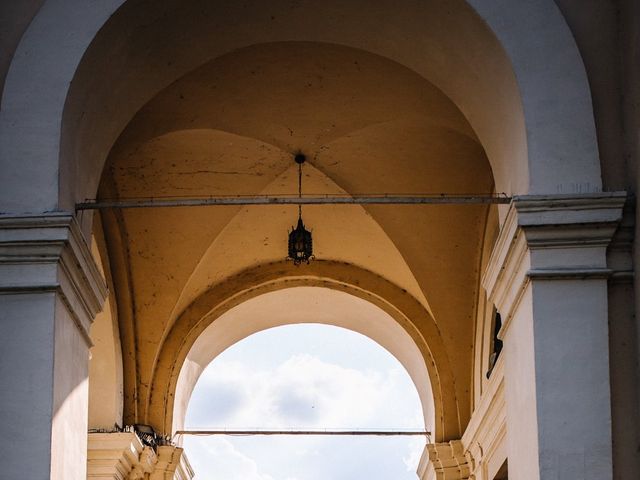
column 554, row 237
column 48, row 253
column 118, row 456
column 122, row 456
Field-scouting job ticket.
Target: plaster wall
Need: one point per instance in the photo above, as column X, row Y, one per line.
column 630, row 40
column 612, row 60
column 26, row 397
column 585, row 17
column 70, row 399
column 105, row 373
column 43, row 403
column 574, row 437
column 623, row 352
column 106, row 388
column 561, row 142
column 520, row 397
column 14, row 20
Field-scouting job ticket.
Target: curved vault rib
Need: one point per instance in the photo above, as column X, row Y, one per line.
column 130, row 144
column 274, row 276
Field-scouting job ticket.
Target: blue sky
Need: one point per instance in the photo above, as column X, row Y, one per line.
column 312, row 377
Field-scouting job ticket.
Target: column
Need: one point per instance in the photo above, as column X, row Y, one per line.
column 548, row 278
column 50, row 291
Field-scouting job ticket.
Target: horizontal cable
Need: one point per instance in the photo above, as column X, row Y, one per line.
column 381, row 433
column 419, row 199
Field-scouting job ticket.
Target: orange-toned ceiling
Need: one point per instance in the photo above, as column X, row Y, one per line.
column 366, row 124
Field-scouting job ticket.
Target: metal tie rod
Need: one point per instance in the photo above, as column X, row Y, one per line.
column 436, row 199
column 383, row 433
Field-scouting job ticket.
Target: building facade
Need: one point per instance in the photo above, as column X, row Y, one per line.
column 514, row 313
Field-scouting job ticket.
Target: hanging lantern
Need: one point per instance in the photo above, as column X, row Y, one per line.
column 300, row 242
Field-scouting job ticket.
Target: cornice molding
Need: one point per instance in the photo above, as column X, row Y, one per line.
column 122, row 456
column 48, row 253
column 551, row 237
column 119, row 456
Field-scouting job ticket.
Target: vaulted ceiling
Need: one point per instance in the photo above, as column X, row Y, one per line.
column 232, row 126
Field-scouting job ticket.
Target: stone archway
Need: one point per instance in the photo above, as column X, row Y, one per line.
column 74, row 86
column 396, row 302
column 543, row 97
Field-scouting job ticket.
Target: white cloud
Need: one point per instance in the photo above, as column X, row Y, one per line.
column 303, row 391
column 219, row 459
column 414, row 453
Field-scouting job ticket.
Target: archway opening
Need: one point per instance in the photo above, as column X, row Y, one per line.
column 396, row 132
column 311, row 377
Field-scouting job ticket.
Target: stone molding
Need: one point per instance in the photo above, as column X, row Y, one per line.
column 445, row 461
column 172, row 465
column 550, row 237
column 482, row 445
column 122, row 456
column 48, row 253
column 620, row 251
column 118, row 456
column 485, row 435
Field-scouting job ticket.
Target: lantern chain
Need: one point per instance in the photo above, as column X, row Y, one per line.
column 299, row 189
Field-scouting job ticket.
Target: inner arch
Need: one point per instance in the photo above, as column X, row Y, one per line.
column 299, row 305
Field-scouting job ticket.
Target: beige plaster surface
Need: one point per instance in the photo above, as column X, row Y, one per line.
column 443, row 42
column 105, row 364
column 231, row 127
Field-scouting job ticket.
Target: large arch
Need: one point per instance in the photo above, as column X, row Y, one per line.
column 82, row 71
column 396, row 302
column 539, row 133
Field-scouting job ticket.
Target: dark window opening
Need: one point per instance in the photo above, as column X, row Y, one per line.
column 496, row 343
column 503, row 473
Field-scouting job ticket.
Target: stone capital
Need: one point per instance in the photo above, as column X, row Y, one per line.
column 119, row 456
column 172, row 464
column 48, row 253
column 122, row 456
column 551, row 237
column 445, row 461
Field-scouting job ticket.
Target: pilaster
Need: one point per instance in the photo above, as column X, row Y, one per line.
column 550, row 237
column 50, row 291
column 547, row 276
